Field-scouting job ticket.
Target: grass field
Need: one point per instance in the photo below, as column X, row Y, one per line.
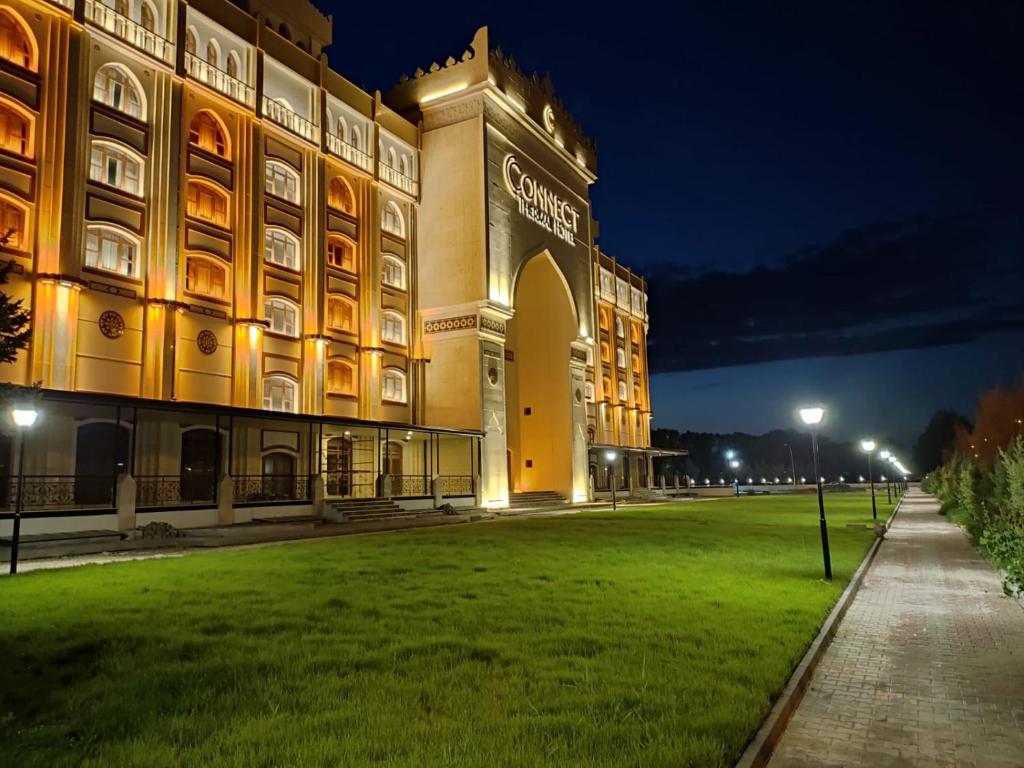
column 649, row 637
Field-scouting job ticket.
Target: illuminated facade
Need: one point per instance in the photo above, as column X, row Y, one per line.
column 255, row 286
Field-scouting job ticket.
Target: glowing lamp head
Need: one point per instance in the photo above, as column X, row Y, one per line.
column 812, row 416
column 885, row 455
column 730, row 454
column 610, row 456
column 24, row 417
column 868, row 446
column 734, row 463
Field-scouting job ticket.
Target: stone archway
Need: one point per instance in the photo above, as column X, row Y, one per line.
column 538, row 380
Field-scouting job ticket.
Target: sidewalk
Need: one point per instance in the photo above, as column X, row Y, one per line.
column 927, row 668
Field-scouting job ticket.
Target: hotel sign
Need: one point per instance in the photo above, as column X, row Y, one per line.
column 539, row 204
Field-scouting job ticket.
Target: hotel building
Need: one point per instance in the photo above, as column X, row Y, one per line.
column 259, row 291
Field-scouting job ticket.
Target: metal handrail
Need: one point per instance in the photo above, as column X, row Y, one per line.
column 397, row 179
column 289, row 119
column 277, row 487
column 349, row 152
column 62, row 492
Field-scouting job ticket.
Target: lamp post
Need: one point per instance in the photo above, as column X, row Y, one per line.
column 884, row 455
column 812, row 417
column 23, row 417
column 735, row 465
column 610, row 458
column 792, row 464
column 868, row 446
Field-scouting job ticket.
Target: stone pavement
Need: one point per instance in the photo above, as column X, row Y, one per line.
column 927, row 668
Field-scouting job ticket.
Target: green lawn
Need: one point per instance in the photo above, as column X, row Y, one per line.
column 656, row 636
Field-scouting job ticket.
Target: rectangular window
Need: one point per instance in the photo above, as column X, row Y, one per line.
column 393, row 329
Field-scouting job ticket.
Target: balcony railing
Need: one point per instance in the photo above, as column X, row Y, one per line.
column 286, row 118
column 256, row 488
column 129, row 30
column 410, row 485
column 457, row 485
column 219, row 80
column 69, row 4
column 352, row 483
column 52, row 492
column 397, row 179
column 338, row 146
column 175, row 490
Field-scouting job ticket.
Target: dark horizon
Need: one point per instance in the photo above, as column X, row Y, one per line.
column 825, row 200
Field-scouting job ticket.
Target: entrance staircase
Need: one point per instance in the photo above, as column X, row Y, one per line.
column 536, row 500
column 369, row 510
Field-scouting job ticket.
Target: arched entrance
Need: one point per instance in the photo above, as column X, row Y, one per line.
column 538, row 383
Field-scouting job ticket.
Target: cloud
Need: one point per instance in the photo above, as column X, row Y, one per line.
column 922, row 282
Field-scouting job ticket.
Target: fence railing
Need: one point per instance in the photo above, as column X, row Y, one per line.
column 293, row 121
column 410, row 485
column 457, row 485
column 175, row 490
column 251, row 488
column 351, row 483
column 51, row 492
column 129, row 30
column 397, row 179
column 338, row 146
column 219, row 80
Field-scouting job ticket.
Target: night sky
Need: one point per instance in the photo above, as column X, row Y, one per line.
column 827, row 198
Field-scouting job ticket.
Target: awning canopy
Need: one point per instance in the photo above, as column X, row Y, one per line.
column 645, row 451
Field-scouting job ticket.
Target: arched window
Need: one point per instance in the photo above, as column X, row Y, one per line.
column 12, row 224
column 233, row 65
column 604, row 319
column 191, row 41
column 340, row 197
column 620, row 357
column 341, row 379
column 339, row 466
column 392, row 161
column 147, row 16
column 16, row 42
column 15, row 130
column 393, row 385
column 207, row 132
column 341, row 313
column 116, row 167
column 636, row 394
column 589, row 391
column 200, row 449
column 206, row 276
column 391, row 220
column 281, row 248
column 622, row 392
column 118, row 89
column 606, row 387
column 281, row 181
column 635, row 332
column 101, row 453
column 356, row 139
column 285, row 32
column 393, row 271
column 111, row 250
column 283, row 316
column 278, row 395
column 208, row 203
column 213, row 53
column 342, row 129
column 392, row 327
column 403, row 166
column 279, row 467
column 636, row 362
column 393, row 459
column 606, row 352
column 341, row 253
column 620, row 329
column 122, row 7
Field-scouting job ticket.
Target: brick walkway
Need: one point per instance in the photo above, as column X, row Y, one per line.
column 927, row 668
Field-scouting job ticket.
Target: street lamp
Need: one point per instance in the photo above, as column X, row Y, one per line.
column 735, row 464
column 610, row 458
column 868, row 446
column 884, row 456
column 23, row 417
column 812, row 416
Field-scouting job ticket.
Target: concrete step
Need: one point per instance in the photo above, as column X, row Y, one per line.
column 68, row 537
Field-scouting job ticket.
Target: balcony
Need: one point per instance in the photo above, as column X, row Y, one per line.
column 219, row 80
column 338, row 146
column 130, row 31
column 286, row 118
column 397, row 179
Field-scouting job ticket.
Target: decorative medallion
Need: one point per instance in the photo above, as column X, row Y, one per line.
column 549, row 118
column 111, row 324
column 579, row 395
column 207, row 342
column 492, row 375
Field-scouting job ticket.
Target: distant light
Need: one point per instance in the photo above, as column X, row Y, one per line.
column 730, row 454
column 707, row 481
column 812, row 415
column 610, row 455
column 823, row 478
column 734, row 463
column 803, row 479
column 764, row 480
column 24, row 417
column 842, row 479
column 776, row 479
column 885, row 455
column 883, row 477
column 860, row 479
column 750, row 480
column 721, row 481
column 868, row 446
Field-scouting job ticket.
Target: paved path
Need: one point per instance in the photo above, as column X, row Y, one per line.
column 927, row 668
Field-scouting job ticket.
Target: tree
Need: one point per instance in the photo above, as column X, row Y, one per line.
column 936, row 443
column 15, row 329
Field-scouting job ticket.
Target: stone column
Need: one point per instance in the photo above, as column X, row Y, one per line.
column 126, row 494
column 225, row 500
